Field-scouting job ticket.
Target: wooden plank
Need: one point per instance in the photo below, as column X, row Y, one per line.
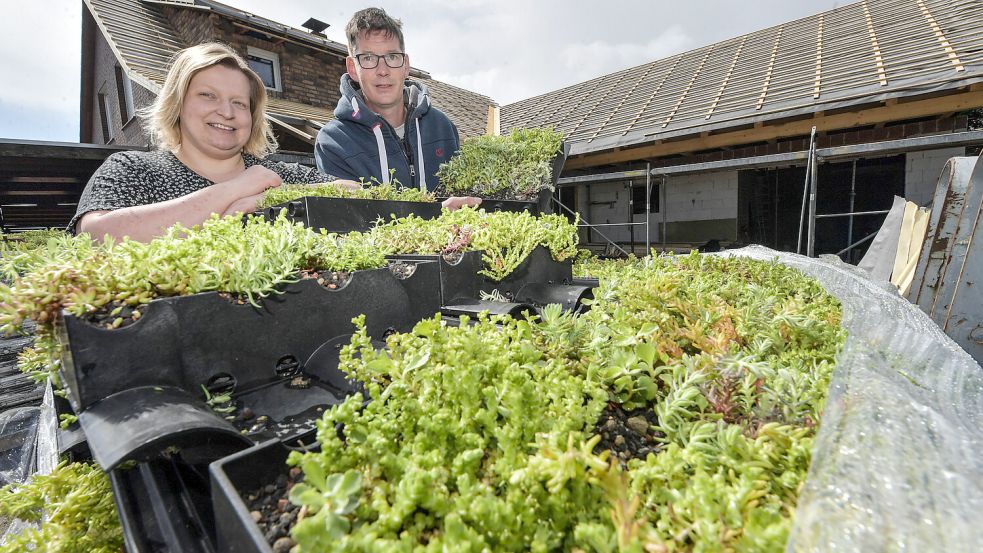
column 723, row 85
column 941, row 37
column 689, row 86
column 819, row 59
column 650, row 97
column 628, row 95
column 771, row 67
column 908, row 110
column 878, row 61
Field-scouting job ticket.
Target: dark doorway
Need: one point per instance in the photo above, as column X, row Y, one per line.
column 770, row 203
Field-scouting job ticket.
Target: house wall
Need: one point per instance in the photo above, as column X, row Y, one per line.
column 129, row 132
column 309, row 76
column 192, row 26
column 922, row 170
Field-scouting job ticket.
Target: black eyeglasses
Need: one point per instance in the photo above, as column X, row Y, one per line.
column 371, row 61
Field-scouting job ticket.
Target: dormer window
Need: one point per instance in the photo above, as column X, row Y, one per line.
column 267, row 66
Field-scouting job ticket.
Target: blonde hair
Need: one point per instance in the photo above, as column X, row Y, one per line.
column 162, row 118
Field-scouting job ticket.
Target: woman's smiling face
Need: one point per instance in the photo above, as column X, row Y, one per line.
column 215, row 116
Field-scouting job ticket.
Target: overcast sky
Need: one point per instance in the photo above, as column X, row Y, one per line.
column 506, row 49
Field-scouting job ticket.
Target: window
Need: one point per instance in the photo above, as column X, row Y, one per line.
column 107, row 129
column 124, row 93
column 267, row 66
column 638, row 199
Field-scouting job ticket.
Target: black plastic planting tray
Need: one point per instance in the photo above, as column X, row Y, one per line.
column 349, row 215
column 138, row 388
column 231, row 478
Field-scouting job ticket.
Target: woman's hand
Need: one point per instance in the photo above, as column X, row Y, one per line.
column 457, row 202
column 255, row 180
column 347, row 184
column 245, row 204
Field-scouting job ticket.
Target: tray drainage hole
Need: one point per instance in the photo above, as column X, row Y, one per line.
column 287, row 367
column 221, row 383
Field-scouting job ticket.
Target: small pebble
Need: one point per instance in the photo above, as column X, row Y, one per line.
column 257, row 516
column 610, row 425
column 638, row 424
column 269, row 488
column 283, row 545
column 282, row 504
column 619, row 441
column 281, row 481
column 287, row 518
column 294, row 473
column 247, row 413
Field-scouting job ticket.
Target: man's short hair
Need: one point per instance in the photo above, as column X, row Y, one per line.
column 371, row 20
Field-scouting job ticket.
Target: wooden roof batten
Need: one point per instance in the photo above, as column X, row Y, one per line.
column 771, row 68
column 730, row 70
column 940, row 36
column 882, row 76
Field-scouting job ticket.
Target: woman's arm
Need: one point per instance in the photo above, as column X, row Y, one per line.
column 145, row 222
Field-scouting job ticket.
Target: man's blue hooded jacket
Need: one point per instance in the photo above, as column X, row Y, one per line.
column 358, row 143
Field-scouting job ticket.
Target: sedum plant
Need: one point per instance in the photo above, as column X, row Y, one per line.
column 377, row 191
column 516, row 166
column 76, row 502
column 484, row 436
column 83, row 277
column 506, row 238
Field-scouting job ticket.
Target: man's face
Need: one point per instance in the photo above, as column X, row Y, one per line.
column 382, row 85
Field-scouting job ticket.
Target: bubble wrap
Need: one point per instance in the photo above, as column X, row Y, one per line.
column 898, row 460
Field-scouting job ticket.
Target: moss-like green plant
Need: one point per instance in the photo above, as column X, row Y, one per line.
column 83, row 276
column 369, row 191
column 506, row 238
column 482, row 436
column 77, row 505
column 513, row 166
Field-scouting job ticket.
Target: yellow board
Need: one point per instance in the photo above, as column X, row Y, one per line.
column 914, row 224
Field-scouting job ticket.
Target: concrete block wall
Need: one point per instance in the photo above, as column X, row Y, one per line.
column 922, row 170
column 689, row 201
column 701, row 197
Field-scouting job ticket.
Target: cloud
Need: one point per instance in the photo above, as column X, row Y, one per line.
column 40, row 71
column 586, row 61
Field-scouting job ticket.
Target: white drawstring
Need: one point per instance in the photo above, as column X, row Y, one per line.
column 381, row 144
column 419, row 156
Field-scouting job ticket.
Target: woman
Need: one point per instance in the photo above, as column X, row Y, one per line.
column 212, row 136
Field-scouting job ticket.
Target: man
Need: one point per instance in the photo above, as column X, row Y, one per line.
column 385, row 126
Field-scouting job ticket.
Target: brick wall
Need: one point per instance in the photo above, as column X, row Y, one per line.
column 309, row 76
column 129, row 132
column 922, row 170
column 192, row 26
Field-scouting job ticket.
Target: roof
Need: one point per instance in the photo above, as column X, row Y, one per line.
column 42, row 181
column 144, row 42
column 862, row 52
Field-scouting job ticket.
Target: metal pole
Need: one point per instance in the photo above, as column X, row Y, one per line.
column 631, row 214
column 853, row 194
column 664, row 207
column 648, row 207
column 591, row 227
column 857, row 243
column 813, row 188
column 805, row 188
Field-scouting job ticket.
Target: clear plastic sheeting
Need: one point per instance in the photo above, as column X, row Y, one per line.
column 898, row 460
column 18, row 436
column 33, row 433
